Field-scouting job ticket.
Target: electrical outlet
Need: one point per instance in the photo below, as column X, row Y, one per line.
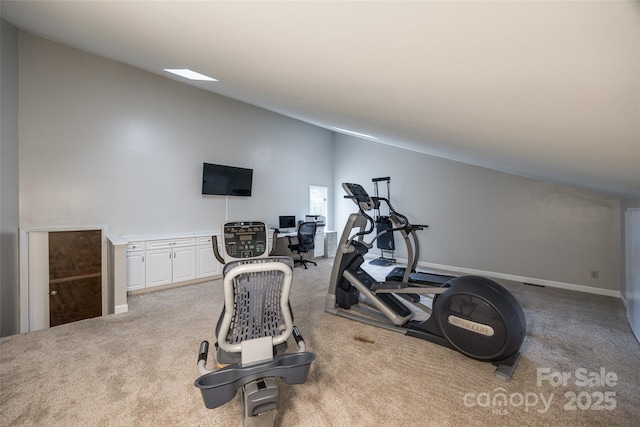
column 594, row 274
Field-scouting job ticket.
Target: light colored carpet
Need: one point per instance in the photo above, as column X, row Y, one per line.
column 138, row 368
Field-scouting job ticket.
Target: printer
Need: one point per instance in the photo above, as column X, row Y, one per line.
column 318, row 219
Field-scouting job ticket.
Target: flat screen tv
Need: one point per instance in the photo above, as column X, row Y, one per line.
column 220, row 180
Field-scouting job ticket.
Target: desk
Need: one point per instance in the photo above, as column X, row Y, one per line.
column 282, row 244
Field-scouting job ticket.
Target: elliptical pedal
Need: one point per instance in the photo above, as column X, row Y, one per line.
column 390, row 300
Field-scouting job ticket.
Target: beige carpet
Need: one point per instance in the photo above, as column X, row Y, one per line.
column 138, row 368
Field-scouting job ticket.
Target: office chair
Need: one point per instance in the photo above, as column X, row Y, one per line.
column 306, row 239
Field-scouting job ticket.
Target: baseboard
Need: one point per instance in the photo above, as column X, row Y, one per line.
column 119, row 309
column 523, row 279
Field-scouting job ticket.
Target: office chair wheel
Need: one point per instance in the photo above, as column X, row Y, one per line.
column 305, row 261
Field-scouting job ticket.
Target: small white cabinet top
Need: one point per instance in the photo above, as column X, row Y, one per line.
column 170, row 243
column 146, row 239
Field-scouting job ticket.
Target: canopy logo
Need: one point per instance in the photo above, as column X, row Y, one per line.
column 499, row 400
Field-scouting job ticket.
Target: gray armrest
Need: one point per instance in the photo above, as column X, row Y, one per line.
column 216, row 252
column 274, row 243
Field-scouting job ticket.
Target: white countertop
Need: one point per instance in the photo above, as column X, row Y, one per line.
column 123, row 240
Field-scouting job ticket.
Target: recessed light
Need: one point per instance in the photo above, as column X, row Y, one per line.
column 364, row 135
column 190, row 74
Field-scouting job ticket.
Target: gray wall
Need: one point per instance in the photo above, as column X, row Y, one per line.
column 9, row 295
column 487, row 220
column 105, row 143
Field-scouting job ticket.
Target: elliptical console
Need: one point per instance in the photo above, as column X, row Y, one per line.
column 243, row 240
column 473, row 315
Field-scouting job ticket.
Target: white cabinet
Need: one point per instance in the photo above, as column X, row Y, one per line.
column 173, row 258
column 206, row 262
column 318, row 244
column 170, row 261
column 184, row 264
column 136, row 271
column 162, row 261
column 330, row 243
column 159, row 267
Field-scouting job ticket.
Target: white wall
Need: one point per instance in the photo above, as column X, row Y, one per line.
column 626, row 204
column 631, row 262
column 102, row 143
column 487, row 220
column 9, row 295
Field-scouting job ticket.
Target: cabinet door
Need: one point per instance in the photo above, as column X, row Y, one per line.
column 136, row 277
column 318, row 245
column 331, row 243
column 159, row 267
column 206, row 263
column 184, row 264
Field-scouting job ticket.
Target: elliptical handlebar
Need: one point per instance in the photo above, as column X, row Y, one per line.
column 365, row 203
column 358, row 201
column 402, row 220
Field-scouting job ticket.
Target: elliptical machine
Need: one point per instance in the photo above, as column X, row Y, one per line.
column 471, row 314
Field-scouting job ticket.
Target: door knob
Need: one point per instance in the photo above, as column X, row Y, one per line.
column 52, row 293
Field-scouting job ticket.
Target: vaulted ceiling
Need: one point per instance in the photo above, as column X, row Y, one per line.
column 542, row 89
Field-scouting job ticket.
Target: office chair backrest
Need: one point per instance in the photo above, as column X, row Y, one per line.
column 306, row 236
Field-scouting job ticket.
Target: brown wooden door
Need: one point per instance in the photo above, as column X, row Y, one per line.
column 75, row 275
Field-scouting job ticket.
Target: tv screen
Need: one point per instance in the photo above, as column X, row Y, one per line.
column 220, row 180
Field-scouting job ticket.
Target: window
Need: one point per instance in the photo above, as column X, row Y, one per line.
column 318, row 201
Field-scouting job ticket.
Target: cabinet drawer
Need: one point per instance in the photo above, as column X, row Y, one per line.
column 135, row 246
column 173, row 243
column 204, row 240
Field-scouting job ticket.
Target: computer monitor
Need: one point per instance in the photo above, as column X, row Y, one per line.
column 288, row 221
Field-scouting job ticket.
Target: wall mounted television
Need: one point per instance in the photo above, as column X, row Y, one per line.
column 221, row 180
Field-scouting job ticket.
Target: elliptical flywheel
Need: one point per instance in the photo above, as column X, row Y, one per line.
column 480, row 318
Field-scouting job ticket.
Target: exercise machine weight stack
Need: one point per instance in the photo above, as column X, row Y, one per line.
column 385, row 242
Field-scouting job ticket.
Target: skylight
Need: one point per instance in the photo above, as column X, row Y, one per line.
column 190, row 74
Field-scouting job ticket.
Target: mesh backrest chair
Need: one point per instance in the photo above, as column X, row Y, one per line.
column 258, row 293
column 306, row 242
